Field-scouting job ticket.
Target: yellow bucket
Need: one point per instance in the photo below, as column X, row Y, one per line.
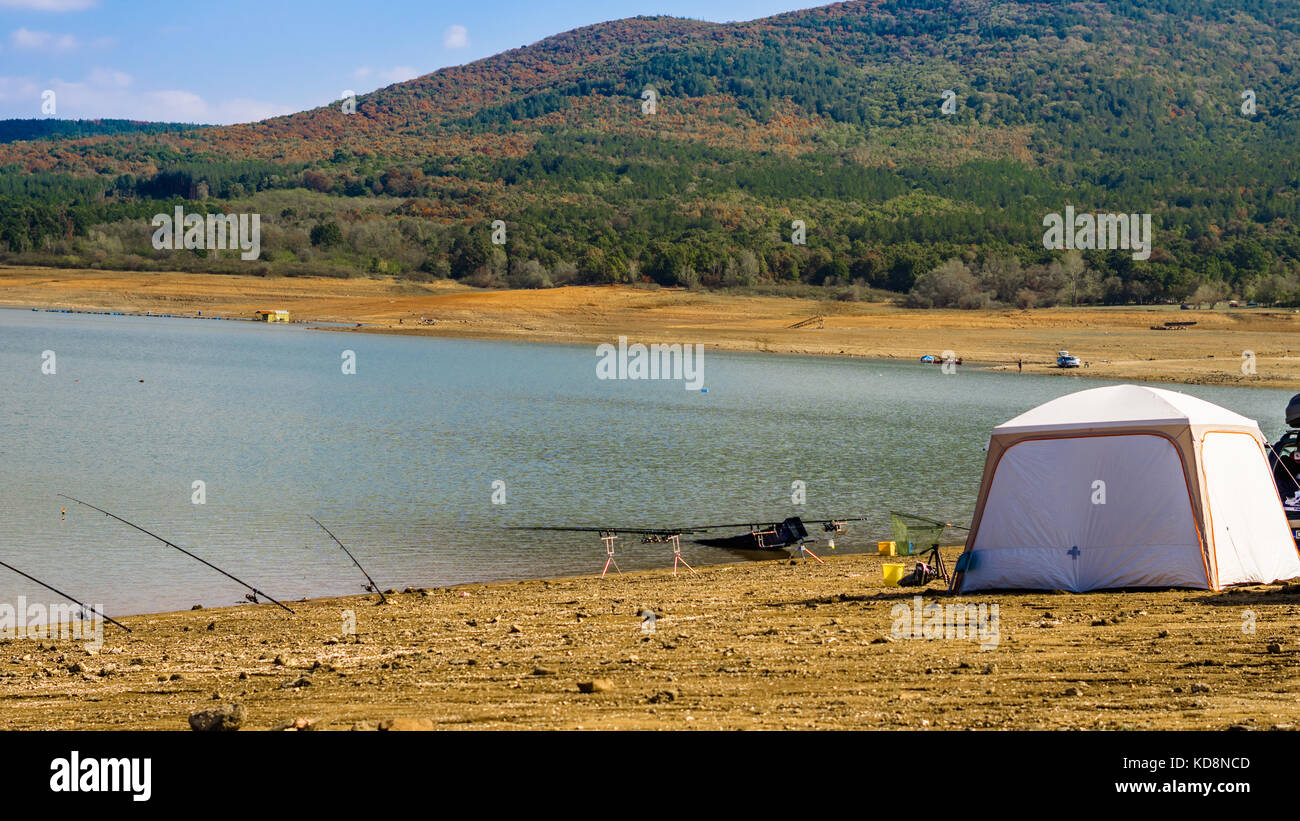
column 893, row 573
column 887, row 548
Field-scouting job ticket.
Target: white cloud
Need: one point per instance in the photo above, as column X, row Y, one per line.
column 399, row 74
column 242, row 110
column 48, row 5
column 113, row 94
column 455, row 37
column 18, row 89
column 396, row 74
column 108, row 78
column 29, row 40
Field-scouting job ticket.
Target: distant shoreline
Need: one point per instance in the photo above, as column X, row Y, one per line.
column 1221, row 347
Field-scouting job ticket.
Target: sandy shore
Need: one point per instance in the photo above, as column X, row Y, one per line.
column 761, row 645
column 1116, row 343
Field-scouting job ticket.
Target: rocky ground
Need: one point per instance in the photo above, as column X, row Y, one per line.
column 761, row 645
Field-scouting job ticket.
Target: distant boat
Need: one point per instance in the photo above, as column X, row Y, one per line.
column 928, row 359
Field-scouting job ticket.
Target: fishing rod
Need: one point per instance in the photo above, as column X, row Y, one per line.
column 66, row 596
column 256, row 592
column 373, row 586
column 931, row 521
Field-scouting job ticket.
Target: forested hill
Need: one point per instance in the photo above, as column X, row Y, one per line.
column 38, row 128
column 1186, row 110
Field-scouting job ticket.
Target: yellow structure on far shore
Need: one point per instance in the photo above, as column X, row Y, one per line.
column 272, row 316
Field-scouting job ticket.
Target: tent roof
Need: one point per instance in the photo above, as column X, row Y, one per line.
column 1121, row 405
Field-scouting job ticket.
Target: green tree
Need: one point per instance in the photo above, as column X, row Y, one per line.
column 327, row 235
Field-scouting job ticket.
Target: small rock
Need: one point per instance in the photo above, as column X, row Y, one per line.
column 299, row 724
column 301, row 681
column 197, row 607
column 882, row 640
column 1200, row 687
column 543, row 671
column 212, row 625
column 226, row 718
column 598, row 685
column 1275, row 648
column 1073, row 691
column 396, row 725
column 663, row 697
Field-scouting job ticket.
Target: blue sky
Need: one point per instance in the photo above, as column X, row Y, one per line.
column 228, row 61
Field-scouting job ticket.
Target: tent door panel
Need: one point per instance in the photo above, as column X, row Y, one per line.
column 1252, row 541
column 1083, row 512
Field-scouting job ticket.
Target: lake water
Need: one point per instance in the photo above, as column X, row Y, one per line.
column 399, row 459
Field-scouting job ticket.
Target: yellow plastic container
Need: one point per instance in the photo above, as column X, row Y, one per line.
column 893, row 573
column 887, row 548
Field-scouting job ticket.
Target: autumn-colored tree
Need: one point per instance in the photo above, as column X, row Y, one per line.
column 317, row 181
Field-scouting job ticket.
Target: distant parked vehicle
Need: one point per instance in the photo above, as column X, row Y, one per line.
column 1232, row 303
column 1065, row 360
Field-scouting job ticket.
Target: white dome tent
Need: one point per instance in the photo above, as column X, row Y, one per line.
column 1126, row 486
